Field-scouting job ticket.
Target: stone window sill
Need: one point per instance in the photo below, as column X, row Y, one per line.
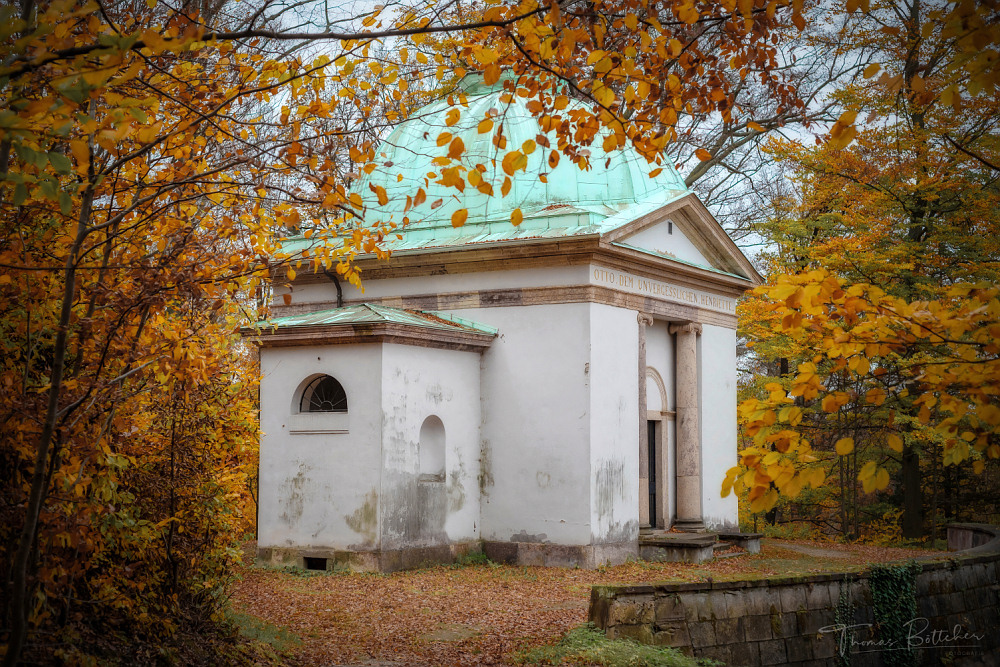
column 309, row 423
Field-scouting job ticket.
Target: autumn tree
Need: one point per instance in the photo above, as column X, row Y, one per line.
column 150, row 158
column 884, row 271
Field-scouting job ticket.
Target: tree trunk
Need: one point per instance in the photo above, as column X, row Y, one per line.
column 913, row 501
column 23, row 565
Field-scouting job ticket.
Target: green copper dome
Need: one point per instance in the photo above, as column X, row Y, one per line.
column 571, row 199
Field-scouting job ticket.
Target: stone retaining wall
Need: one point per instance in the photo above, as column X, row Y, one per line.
column 791, row 620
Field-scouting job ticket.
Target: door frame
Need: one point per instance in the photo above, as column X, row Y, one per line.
column 663, row 466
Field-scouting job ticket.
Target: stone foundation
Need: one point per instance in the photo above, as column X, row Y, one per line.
column 389, row 560
column 587, row 556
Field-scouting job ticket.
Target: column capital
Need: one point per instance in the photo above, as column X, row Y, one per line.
column 644, row 319
column 686, row 328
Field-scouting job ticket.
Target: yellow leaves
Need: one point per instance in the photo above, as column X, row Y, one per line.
column 602, row 94
column 452, row 117
column 843, row 131
column 505, row 188
column 456, row 148
column 516, row 217
column 777, row 392
column 844, row 446
column 485, row 56
column 290, row 273
column 452, row 178
column 81, row 153
column 847, row 118
column 859, row 365
column 875, row 396
column 762, row 500
column 459, row 217
column 688, row 14
column 703, row 155
column 443, row 138
column 380, row 193
column 872, row 70
column 356, row 201
column 491, row 74
column 895, row 442
column 513, row 161
column 484, row 126
column 792, row 415
column 873, row 477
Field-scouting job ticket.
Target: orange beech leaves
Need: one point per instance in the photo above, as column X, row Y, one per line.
column 945, row 354
column 884, row 265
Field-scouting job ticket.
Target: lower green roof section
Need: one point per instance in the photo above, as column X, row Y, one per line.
column 372, row 313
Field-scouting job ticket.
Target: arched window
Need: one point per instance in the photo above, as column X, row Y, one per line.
column 323, row 394
column 432, row 450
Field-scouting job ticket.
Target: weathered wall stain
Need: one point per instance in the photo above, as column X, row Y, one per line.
column 524, row 536
column 485, row 476
column 364, row 520
column 610, row 482
column 414, row 512
column 437, row 394
column 542, row 478
column 290, row 497
column 456, row 490
column 617, row 533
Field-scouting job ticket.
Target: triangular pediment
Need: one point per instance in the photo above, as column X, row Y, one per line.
column 683, row 230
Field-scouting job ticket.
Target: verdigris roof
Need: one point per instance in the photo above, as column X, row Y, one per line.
column 572, row 202
column 370, row 313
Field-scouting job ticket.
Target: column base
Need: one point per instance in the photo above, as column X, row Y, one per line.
column 689, row 525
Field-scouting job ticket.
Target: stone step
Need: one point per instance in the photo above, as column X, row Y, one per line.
column 664, row 546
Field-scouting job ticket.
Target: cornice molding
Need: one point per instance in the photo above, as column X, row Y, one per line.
column 353, row 334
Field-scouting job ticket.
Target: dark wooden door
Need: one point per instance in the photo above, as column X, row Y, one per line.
column 651, row 445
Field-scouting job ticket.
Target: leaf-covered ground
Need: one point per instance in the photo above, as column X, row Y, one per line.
column 481, row 614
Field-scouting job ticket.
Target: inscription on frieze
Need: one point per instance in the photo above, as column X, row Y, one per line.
column 638, row 285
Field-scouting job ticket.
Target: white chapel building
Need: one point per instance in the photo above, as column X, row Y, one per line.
column 541, row 392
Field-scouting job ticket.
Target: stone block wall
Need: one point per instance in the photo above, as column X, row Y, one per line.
column 792, row 620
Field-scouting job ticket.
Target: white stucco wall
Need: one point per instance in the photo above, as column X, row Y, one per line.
column 417, row 383
column 614, row 424
column 313, row 486
column 717, row 409
column 536, row 424
column 657, row 238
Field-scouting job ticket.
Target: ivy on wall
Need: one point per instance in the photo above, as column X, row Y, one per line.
column 894, row 605
column 844, row 618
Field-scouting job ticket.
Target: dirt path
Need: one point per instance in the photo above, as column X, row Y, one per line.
column 482, row 614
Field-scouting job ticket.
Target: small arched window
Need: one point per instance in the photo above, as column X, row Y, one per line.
column 323, row 394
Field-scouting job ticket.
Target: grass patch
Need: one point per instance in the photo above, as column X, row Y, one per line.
column 276, row 642
column 588, row 646
column 477, row 558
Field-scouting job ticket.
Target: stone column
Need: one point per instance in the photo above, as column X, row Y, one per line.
column 644, row 321
column 689, row 516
